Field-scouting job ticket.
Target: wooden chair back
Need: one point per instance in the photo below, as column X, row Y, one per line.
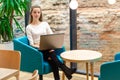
column 35, row 75
column 10, row 59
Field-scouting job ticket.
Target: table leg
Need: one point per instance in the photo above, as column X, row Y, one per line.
column 92, row 70
column 63, row 75
column 87, row 73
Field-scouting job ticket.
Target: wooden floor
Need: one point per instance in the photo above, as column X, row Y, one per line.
column 26, row 75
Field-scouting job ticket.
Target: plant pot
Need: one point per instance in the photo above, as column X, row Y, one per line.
column 6, row 45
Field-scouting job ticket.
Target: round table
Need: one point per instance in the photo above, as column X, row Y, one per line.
column 88, row 56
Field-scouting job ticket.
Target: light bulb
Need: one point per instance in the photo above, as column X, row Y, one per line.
column 73, row 4
column 111, row 1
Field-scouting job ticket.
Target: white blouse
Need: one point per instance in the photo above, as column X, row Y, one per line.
column 35, row 31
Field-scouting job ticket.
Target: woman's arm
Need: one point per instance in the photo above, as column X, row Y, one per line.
column 49, row 30
column 30, row 38
column 35, row 45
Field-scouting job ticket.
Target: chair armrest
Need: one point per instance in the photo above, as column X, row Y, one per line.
column 110, row 71
column 117, row 56
column 59, row 51
column 31, row 58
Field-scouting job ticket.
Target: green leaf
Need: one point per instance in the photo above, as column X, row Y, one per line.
column 18, row 25
column 9, row 9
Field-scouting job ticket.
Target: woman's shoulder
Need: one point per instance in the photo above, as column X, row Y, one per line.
column 28, row 26
column 44, row 22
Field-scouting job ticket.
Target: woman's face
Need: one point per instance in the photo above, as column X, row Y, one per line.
column 36, row 13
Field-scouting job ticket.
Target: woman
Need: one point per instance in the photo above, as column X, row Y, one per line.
column 36, row 28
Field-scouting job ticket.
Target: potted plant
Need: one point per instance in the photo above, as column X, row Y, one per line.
column 9, row 10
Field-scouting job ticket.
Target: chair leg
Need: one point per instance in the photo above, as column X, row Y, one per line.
column 17, row 77
column 40, row 77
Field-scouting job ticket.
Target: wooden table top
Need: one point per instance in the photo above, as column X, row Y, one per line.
column 6, row 73
column 81, row 55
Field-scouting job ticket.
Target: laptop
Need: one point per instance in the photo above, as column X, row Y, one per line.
column 51, row 41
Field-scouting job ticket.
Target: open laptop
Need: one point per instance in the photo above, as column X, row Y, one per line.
column 51, row 41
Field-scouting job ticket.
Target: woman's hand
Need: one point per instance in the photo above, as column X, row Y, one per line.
column 36, row 45
column 52, row 50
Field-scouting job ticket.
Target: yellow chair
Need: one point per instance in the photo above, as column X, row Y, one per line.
column 10, row 59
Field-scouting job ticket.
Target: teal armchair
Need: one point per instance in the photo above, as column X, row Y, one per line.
column 111, row 70
column 32, row 58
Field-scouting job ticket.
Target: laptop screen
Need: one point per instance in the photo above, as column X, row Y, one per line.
column 51, row 41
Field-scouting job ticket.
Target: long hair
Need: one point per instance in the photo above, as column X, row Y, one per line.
column 31, row 18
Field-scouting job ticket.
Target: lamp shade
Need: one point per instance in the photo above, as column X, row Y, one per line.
column 73, row 4
column 111, row 1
